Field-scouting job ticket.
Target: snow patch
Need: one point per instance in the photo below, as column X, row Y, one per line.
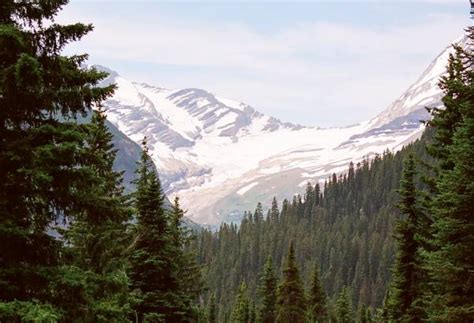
column 247, row 188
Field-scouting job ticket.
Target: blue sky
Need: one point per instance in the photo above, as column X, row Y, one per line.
column 324, row 63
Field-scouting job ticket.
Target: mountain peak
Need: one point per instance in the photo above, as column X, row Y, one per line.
column 424, row 92
column 222, row 156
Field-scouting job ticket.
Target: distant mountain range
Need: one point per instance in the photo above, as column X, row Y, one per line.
column 221, row 156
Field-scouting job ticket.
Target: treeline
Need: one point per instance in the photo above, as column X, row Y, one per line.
column 73, row 247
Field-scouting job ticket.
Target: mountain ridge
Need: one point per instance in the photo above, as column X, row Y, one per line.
column 221, row 156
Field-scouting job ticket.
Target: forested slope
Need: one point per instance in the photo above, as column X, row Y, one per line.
column 345, row 227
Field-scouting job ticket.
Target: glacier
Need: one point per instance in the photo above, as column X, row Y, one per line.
column 221, row 156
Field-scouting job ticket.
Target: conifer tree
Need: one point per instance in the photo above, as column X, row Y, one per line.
column 96, row 239
column 317, row 195
column 258, row 215
column 451, row 258
column 291, row 301
column 317, row 298
column 252, row 313
column 446, row 120
column 406, row 290
column 212, row 313
column 274, row 212
column 309, row 200
column 188, row 273
column 153, row 269
column 241, row 312
column 365, row 315
column 42, row 164
column 344, row 312
column 268, row 293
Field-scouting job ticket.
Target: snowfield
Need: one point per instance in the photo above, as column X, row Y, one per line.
column 221, row 156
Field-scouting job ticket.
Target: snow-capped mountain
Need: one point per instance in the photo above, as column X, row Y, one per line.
column 221, row 156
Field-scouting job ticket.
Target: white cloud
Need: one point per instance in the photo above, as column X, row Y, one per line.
column 329, row 73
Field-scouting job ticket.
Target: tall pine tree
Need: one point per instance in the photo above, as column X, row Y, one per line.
column 317, row 298
column 153, row 269
column 406, row 289
column 212, row 312
column 268, row 293
column 451, row 259
column 43, row 164
column 291, row 302
column 241, row 311
column 96, row 239
column 188, row 273
column 344, row 313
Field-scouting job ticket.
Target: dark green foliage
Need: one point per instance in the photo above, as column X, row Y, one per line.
column 149, row 260
column 291, row 301
column 252, row 313
column 316, row 299
column 274, row 212
column 157, row 255
column 212, row 312
column 188, row 272
column 93, row 284
column 241, row 311
column 446, row 292
column 446, row 120
column 365, row 314
column 64, row 220
column 268, row 294
column 408, row 273
column 17, row 311
column 44, row 161
column 344, row 313
column 450, row 258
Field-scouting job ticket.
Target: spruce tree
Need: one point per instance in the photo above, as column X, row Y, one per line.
column 153, row 271
column 212, row 313
column 344, row 313
column 188, row 274
column 96, row 239
column 42, row 155
column 317, row 195
column 407, row 276
column 364, row 314
column 258, row 215
column 291, row 301
column 274, row 212
column 451, row 258
column 252, row 313
column 309, row 201
column 316, row 299
column 241, row 311
column 268, row 293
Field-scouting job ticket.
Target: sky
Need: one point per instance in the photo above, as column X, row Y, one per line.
column 317, row 63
